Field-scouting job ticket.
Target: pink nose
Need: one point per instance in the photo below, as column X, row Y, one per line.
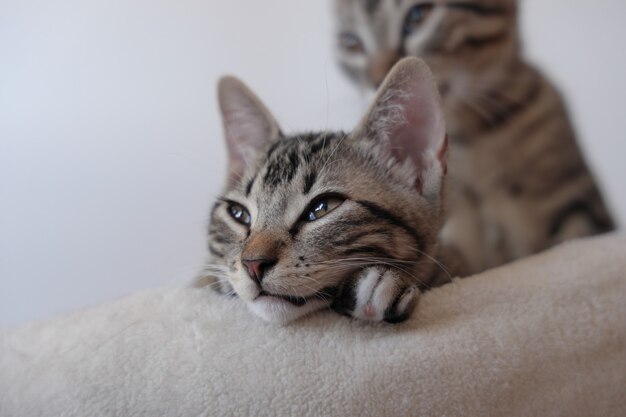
column 257, row 267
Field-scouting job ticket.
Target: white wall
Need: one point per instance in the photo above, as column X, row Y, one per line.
column 110, row 142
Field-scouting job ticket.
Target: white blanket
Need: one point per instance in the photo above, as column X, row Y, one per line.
column 544, row 336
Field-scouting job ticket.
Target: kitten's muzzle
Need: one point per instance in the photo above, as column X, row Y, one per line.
column 257, row 267
column 327, row 293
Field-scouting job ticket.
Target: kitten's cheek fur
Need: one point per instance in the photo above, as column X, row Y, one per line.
column 275, row 310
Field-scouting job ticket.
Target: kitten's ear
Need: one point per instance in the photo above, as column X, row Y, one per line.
column 248, row 126
column 407, row 118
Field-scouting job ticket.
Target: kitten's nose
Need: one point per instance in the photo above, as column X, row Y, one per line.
column 257, row 267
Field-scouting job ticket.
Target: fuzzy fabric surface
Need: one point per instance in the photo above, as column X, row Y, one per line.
column 545, row 336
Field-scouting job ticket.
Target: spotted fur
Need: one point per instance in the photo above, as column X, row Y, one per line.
column 519, row 182
column 370, row 255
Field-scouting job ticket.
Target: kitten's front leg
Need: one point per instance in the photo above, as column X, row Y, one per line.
column 378, row 294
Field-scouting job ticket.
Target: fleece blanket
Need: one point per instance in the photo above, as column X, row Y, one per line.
column 545, row 336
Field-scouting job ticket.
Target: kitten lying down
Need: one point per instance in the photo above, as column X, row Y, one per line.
column 331, row 219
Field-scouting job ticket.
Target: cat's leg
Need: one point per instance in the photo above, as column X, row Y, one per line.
column 378, row 294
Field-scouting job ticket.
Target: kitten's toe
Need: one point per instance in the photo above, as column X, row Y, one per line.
column 403, row 306
column 379, row 294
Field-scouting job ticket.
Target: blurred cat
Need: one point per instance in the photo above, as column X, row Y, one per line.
column 519, row 182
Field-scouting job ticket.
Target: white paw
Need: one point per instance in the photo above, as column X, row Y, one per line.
column 380, row 294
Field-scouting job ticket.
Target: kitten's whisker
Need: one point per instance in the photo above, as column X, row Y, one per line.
column 217, row 286
column 395, row 263
column 183, row 275
column 438, row 263
column 217, row 267
column 212, row 268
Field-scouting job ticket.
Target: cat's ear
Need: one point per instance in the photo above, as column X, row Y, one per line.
column 407, row 118
column 248, row 126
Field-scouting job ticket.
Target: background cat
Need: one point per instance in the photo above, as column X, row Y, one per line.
column 310, row 220
column 519, row 182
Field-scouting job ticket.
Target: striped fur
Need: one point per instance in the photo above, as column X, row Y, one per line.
column 384, row 229
column 519, row 182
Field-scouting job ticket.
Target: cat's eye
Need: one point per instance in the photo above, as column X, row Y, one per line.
column 239, row 213
column 351, row 43
column 321, row 206
column 415, row 17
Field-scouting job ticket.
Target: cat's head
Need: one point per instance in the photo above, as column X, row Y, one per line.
column 466, row 43
column 301, row 213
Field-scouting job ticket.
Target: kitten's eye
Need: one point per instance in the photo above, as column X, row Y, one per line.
column 351, row 43
column 239, row 213
column 321, row 207
column 415, row 17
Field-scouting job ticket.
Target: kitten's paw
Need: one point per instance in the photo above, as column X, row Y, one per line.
column 378, row 294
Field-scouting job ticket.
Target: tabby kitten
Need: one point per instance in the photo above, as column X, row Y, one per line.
column 313, row 220
column 519, row 182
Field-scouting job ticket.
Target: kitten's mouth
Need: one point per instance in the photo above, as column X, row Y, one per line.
column 324, row 294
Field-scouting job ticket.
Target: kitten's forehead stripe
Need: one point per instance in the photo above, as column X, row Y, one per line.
column 309, row 181
column 282, row 168
column 288, row 154
column 322, row 141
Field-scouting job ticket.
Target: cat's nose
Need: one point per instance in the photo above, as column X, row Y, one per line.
column 257, row 267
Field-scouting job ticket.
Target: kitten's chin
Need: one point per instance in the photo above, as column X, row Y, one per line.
column 278, row 310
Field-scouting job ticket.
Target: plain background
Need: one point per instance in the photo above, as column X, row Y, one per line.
column 111, row 146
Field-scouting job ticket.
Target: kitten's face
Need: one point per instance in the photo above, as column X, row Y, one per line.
column 302, row 213
column 466, row 43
